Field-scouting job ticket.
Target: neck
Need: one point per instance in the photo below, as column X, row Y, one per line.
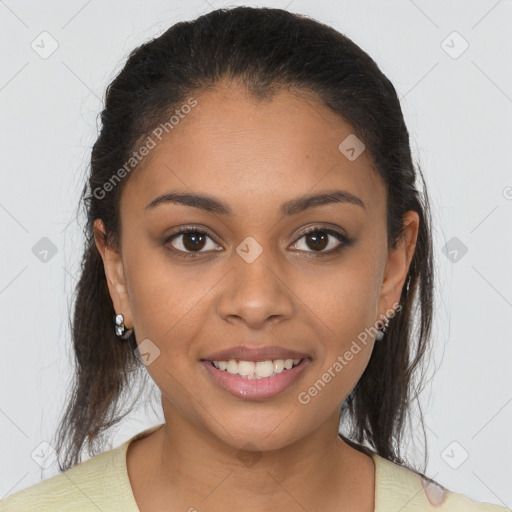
column 189, row 467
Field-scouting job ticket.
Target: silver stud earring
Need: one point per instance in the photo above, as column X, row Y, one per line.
column 121, row 330
column 381, row 332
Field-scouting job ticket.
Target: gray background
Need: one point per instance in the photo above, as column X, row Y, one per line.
column 458, row 109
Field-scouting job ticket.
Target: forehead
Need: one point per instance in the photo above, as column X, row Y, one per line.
column 233, row 146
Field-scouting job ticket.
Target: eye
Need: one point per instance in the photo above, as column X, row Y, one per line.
column 318, row 239
column 190, row 240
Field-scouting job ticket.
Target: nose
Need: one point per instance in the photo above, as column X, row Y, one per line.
column 256, row 293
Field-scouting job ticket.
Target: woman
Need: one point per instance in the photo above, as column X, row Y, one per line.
column 256, row 242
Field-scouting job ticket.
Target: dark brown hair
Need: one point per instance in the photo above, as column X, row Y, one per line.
column 265, row 50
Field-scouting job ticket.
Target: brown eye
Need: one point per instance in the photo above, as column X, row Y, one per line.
column 190, row 240
column 193, row 241
column 318, row 239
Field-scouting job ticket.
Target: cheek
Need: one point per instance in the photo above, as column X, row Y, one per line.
column 163, row 297
column 342, row 297
column 343, row 354
column 342, row 307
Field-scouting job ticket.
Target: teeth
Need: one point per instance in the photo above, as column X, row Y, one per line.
column 256, row 370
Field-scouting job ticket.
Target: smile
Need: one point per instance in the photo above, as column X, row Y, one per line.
column 256, row 380
column 256, row 369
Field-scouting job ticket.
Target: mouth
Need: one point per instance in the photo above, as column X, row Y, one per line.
column 256, row 380
column 256, row 369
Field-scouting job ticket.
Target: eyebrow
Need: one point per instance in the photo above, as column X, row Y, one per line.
column 291, row 207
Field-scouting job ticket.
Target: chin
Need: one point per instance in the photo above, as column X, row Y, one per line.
column 259, row 436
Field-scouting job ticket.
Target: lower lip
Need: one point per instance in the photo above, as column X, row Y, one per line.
column 255, row 389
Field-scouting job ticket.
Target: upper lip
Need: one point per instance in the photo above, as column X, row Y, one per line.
column 251, row 353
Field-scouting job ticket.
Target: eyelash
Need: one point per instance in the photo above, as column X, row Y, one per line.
column 344, row 241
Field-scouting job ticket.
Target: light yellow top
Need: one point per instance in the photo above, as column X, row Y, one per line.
column 102, row 484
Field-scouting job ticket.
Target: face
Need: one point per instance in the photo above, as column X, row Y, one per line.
column 253, row 276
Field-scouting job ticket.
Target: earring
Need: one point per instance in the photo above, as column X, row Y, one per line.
column 382, row 331
column 121, row 330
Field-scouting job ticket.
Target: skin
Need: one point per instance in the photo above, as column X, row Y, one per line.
column 253, row 156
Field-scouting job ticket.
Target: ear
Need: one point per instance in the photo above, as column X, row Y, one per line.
column 114, row 272
column 398, row 264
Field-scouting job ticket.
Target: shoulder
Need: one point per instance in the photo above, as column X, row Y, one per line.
column 400, row 488
column 95, row 484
